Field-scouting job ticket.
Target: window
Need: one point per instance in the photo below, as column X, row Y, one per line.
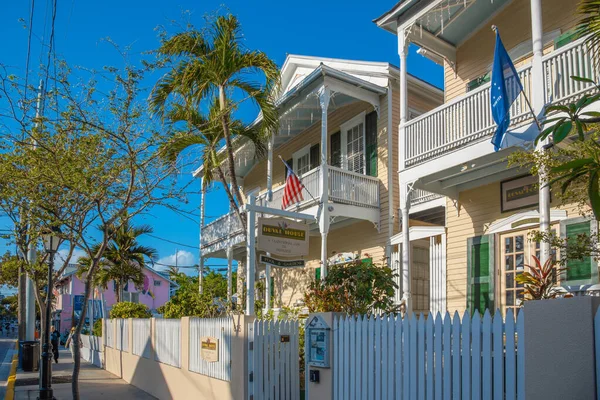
column 131, row 297
column 353, row 144
column 157, row 283
column 302, row 161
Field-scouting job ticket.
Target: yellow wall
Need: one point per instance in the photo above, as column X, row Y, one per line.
column 477, row 210
column 360, row 237
column 474, row 56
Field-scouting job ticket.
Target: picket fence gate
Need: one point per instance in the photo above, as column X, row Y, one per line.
column 273, row 360
column 386, row 357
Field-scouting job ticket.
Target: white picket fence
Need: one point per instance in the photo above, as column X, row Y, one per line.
column 141, row 337
column 122, row 334
column 273, row 360
column 425, row 358
column 222, row 330
column 167, row 339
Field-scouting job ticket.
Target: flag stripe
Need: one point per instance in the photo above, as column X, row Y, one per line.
column 292, row 193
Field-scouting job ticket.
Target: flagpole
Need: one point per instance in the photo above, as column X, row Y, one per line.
column 537, row 121
column 296, row 175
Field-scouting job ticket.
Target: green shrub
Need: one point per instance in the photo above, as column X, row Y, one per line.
column 126, row 309
column 97, row 329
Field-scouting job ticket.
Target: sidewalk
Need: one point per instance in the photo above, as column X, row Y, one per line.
column 94, row 383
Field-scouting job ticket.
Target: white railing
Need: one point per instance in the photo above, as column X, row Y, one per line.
column 221, row 329
column 167, row 337
column 109, row 334
column 141, row 337
column 468, row 118
column 227, row 225
column 122, row 334
column 344, row 187
column 351, row 188
column 419, row 196
column 575, row 59
column 427, row 358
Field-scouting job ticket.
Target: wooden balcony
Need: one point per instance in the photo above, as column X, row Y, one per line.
column 345, row 188
column 468, row 119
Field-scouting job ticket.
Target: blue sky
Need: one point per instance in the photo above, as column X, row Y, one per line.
column 333, row 28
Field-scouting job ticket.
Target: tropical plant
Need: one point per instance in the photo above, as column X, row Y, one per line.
column 127, row 309
column 188, row 301
column 357, row 287
column 540, row 281
column 97, row 328
column 211, row 66
column 124, row 259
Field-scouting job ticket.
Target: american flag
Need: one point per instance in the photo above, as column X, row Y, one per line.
column 292, row 193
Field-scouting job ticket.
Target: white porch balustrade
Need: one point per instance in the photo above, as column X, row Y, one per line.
column 468, row 118
column 345, row 187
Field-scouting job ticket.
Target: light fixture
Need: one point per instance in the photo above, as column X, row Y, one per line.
column 51, row 240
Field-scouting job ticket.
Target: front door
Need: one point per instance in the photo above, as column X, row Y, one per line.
column 516, row 252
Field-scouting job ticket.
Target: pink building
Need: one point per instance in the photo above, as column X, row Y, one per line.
column 155, row 292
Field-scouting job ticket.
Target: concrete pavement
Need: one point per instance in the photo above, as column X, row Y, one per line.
column 94, row 383
column 7, row 351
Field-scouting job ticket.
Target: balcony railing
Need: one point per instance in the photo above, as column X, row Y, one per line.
column 469, row 118
column 421, row 196
column 344, row 187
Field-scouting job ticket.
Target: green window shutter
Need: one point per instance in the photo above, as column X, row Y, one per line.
column 367, row 260
column 371, row 143
column 318, row 274
column 272, row 286
column 315, row 156
column 335, row 148
column 566, row 38
column 584, row 271
column 480, row 266
column 477, row 82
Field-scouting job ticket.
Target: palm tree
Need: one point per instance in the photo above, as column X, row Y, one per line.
column 212, row 66
column 208, row 133
column 124, row 258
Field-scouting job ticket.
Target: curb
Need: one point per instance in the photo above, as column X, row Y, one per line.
column 12, row 377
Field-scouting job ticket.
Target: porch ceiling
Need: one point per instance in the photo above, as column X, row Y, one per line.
column 471, row 174
column 451, row 21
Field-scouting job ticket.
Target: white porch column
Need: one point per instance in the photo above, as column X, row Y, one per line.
column 270, row 168
column 537, row 103
column 267, row 287
column 200, row 258
column 406, row 270
column 229, row 274
column 250, row 256
column 403, row 53
column 324, row 97
column 437, row 274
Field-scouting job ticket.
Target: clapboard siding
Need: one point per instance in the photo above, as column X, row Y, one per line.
column 474, row 56
column 478, row 208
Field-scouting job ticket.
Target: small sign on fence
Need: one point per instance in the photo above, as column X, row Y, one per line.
column 209, row 348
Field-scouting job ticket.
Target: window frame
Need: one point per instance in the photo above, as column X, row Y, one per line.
column 344, row 128
column 305, row 151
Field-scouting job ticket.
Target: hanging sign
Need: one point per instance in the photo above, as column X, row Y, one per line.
column 282, row 237
column 209, row 348
column 281, row 263
column 519, row 193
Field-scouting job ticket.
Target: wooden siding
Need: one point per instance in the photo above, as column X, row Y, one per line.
column 474, row 57
column 478, row 209
column 361, row 237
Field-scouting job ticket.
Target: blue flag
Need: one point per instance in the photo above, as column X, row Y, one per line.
column 506, row 87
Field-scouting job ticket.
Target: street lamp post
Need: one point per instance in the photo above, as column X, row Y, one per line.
column 51, row 241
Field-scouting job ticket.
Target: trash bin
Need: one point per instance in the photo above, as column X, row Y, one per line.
column 30, row 355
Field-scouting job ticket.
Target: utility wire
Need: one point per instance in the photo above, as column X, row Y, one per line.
column 171, row 241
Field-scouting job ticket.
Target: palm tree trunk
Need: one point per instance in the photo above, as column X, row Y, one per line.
column 228, row 145
column 234, row 206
